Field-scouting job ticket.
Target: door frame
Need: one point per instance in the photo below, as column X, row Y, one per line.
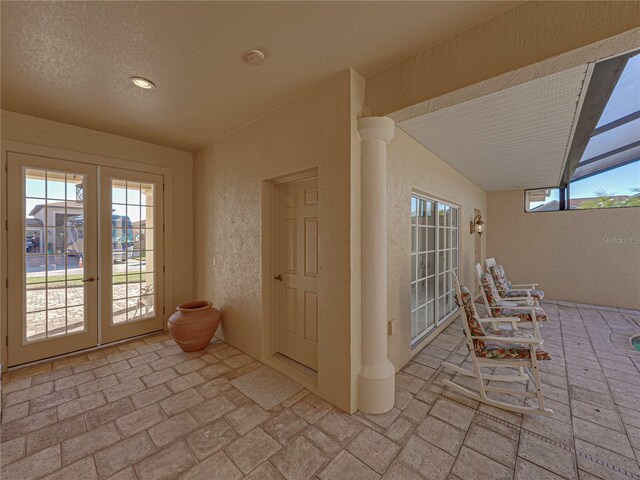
column 12, row 146
column 270, row 267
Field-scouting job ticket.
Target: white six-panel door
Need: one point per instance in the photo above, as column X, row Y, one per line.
column 297, row 275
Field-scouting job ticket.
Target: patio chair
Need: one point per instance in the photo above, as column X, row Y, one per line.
column 144, row 306
column 526, row 307
column 499, row 349
column 493, row 323
column 508, row 289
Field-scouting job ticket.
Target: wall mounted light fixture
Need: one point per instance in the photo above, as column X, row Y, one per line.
column 476, row 225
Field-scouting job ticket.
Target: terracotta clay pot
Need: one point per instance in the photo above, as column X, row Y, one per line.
column 194, row 324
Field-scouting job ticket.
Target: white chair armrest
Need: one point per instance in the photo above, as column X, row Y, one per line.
column 515, row 340
column 517, row 299
column 517, row 307
column 516, row 289
column 499, row 319
column 525, row 286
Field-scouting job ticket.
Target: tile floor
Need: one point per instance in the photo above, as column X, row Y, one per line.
column 145, row 410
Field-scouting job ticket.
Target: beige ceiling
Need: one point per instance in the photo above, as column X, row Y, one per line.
column 70, row 61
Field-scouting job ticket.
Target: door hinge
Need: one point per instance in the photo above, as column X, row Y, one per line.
column 163, row 187
column 164, row 269
column 6, row 341
column 163, row 228
column 7, row 283
column 6, row 166
column 6, row 225
column 164, row 310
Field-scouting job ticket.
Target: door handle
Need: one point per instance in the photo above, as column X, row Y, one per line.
column 279, row 277
column 90, row 279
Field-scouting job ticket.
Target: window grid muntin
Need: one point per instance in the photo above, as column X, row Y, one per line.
column 442, row 248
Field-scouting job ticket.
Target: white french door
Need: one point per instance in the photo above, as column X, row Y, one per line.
column 83, row 268
column 52, row 266
column 131, row 253
column 434, row 256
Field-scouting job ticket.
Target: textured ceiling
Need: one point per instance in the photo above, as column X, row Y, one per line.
column 70, row 61
column 514, row 138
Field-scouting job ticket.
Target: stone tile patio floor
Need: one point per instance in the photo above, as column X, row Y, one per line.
column 145, row 410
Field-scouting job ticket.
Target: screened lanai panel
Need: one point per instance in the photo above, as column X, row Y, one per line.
column 616, row 139
column 611, row 161
column 624, row 99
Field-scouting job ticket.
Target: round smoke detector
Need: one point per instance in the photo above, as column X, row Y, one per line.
column 255, row 57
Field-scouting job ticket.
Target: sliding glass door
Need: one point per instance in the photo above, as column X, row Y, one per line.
column 434, row 256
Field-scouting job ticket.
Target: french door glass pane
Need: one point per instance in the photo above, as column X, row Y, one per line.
column 431, row 264
column 431, row 241
column 431, row 280
column 431, row 286
column 431, row 313
column 53, row 249
column 421, row 319
column 431, row 213
column 422, row 239
column 414, row 269
column 414, row 210
column 133, row 239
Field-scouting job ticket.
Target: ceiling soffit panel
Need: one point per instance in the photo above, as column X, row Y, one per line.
column 514, row 138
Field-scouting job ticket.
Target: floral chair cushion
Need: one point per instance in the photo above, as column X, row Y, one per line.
column 490, row 291
column 502, row 282
column 504, row 311
column 504, row 286
column 475, row 327
column 496, row 349
column 525, row 315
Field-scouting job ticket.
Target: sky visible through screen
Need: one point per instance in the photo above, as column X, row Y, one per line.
column 620, row 181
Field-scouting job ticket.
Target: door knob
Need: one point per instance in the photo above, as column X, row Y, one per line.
column 279, row 277
column 90, row 279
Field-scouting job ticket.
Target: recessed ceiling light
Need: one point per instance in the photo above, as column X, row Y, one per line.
column 142, row 83
column 255, row 57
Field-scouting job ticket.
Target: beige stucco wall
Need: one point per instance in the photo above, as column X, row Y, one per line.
column 586, row 256
column 310, row 131
column 524, row 35
column 413, row 167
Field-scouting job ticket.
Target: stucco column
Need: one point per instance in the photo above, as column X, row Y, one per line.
column 376, row 380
